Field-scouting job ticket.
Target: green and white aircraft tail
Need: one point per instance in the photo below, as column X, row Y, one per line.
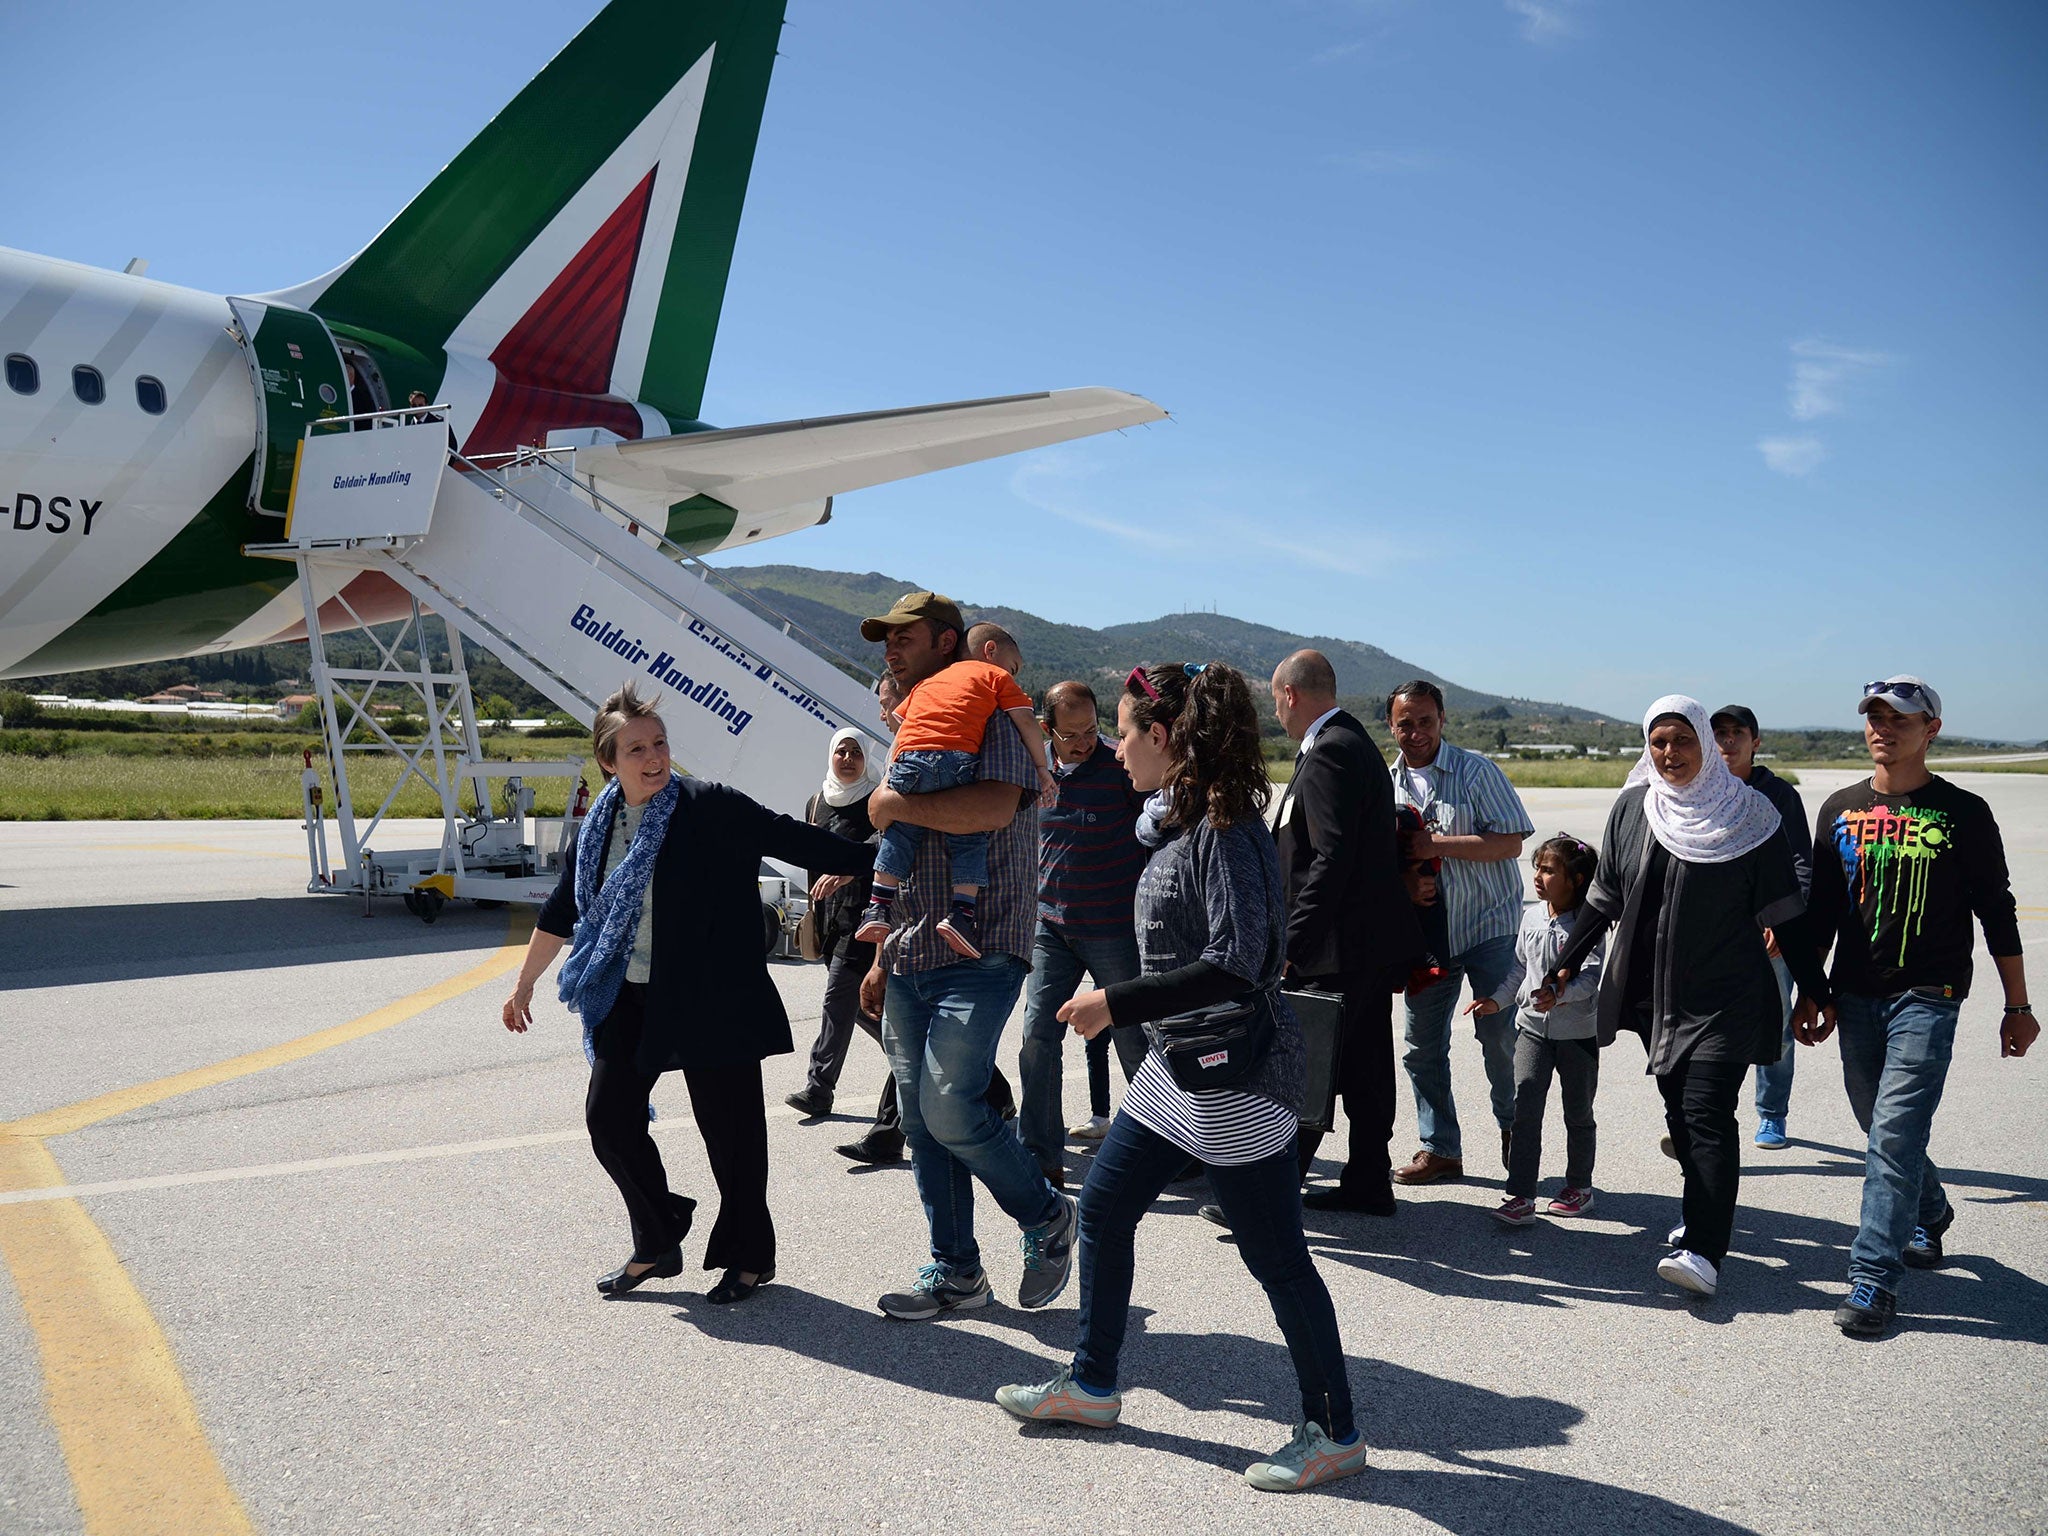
column 557, row 286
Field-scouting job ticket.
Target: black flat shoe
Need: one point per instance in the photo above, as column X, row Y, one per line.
column 1341, row 1199
column 618, row 1282
column 732, row 1288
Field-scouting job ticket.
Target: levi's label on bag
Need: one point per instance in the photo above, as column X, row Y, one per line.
column 1218, row 1046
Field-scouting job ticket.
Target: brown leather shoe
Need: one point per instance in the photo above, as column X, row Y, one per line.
column 1426, row 1168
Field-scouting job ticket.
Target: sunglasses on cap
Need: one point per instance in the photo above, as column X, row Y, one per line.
column 1139, row 680
column 1910, row 691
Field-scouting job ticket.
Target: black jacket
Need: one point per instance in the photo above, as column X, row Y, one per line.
column 839, row 915
column 1708, row 983
column 1348, row 913
column 710, row 1001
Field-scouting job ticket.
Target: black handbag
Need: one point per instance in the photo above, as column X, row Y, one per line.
column 1321, row 1017
column 1217, row 1046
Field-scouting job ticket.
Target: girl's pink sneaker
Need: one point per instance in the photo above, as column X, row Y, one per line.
column 1515, row 1211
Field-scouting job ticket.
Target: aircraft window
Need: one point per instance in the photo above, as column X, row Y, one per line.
column 22, row 375
column 87, row 384
column 149, row 394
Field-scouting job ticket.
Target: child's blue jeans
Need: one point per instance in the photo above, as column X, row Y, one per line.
column 925, row 773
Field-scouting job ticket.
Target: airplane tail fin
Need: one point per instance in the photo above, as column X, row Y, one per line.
column 579, row 246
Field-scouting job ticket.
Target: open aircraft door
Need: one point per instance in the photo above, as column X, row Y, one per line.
column 299, row 377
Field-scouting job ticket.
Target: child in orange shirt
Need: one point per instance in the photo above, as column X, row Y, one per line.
column 938, row 746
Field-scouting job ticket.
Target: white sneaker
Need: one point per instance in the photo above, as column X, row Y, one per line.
column 1688, row 1271
column 1675, row 1238
column 1094, row 1128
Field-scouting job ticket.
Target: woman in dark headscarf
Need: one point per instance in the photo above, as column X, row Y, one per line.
column 1693, row 867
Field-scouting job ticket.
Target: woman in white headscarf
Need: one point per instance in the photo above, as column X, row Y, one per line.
column 1693, row 868
column 852, row 774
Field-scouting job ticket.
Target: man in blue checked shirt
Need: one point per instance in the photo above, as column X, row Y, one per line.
column 1474, row 821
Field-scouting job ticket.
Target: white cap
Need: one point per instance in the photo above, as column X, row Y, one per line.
column 1905, row 693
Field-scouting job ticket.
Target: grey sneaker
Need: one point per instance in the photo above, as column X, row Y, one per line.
column 937, row 1291
column 1311, row 1457
column 1048, row 1259
column 1064, row 1400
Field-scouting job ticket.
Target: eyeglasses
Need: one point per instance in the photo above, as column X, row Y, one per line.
column 1072, row 737
column 1909, row 691
column 1140, row 680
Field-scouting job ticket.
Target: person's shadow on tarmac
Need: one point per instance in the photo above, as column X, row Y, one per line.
column 1778, row 1263
column 1453, row 1422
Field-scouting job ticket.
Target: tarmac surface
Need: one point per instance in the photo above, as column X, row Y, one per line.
column 362, row 1263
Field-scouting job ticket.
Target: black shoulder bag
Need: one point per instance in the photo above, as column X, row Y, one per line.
column 1217, row 1046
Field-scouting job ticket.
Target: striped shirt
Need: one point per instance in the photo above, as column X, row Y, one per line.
column 1217, row 896
column 1089, row 855
column 1222, row 1126
column 1008, row 908
column 1469, row 794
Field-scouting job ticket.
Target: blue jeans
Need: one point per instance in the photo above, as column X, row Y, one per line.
column 1895, row 1055
column 1774, row 1082
column 1058, row 959
column 926, row 773
column 940, row 1029
column 1428, row 1057
column 1262, row 1202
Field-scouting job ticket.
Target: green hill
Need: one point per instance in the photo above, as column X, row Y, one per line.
column 832, row 603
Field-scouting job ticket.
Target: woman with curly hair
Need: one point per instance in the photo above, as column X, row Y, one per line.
column 1211, row 919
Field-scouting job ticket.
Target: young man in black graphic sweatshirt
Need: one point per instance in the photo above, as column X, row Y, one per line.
column 1901, row 862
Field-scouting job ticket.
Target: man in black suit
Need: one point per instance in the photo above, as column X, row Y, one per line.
column 1351, row 929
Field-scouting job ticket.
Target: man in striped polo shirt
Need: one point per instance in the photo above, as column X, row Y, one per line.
column 1474, row 822
column 1089, row 861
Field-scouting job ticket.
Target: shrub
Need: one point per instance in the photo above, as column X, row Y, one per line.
column 17, row 708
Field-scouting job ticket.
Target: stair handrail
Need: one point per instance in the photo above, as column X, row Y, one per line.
column 544, row 459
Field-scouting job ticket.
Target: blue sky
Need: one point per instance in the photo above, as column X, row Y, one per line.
column 1575, row 350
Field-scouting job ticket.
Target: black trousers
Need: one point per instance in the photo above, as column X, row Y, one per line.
column 1576, row 1065
column 1365, row 1084
column 1699, row 1110
column 726, row 1100
column 845, row 965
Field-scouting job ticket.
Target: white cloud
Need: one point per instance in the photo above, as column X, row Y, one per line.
column 1193, row 533
column 1042, row 482
column 1544, row 21
column 1384, row 162
column 1336, row 51
column 1822, row 372
column 1316, row 549
column 1792, row 455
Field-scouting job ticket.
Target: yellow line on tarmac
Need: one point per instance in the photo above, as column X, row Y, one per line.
column 137, row 1452
column 138, row 1455
column 76, row 1117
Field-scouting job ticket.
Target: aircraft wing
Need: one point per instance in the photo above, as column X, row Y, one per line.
column 759, row 469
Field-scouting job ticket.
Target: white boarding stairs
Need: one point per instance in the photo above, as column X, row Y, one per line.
column 575, row 597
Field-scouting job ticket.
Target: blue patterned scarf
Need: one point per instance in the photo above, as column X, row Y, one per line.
column 608, row 915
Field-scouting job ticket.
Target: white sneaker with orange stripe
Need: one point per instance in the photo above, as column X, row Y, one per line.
column 1311, row 1457
column 1063, row 1400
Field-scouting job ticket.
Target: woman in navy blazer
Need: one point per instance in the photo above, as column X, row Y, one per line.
column 697, row 997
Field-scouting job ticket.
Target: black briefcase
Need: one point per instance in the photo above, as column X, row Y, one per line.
column 1321, row 1016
